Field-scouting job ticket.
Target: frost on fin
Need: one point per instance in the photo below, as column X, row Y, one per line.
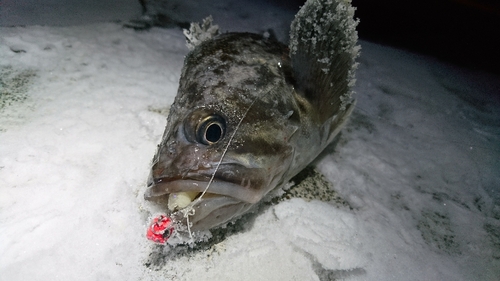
column 323, row 51
column 197, row 34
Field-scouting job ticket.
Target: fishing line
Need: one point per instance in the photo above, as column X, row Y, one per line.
column 189, row 211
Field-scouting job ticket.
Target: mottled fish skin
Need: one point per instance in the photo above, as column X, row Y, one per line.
column 274, row 108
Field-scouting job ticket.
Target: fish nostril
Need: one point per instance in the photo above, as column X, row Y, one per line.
column 157, row 180
column 171, row 147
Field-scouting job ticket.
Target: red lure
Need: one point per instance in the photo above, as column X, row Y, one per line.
column 160, row 229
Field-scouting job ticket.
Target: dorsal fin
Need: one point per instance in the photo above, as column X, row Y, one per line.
column 323, row 51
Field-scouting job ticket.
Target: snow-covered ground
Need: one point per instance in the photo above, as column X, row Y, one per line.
column 82, row 109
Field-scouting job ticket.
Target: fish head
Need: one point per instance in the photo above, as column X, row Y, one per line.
column 229, row 125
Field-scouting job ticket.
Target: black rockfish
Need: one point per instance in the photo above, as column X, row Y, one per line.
column 250, row 113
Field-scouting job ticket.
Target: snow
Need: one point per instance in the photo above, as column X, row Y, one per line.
column 418, row 162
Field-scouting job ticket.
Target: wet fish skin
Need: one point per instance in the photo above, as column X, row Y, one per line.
column 269, row 107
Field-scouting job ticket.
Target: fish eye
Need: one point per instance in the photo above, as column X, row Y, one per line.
column 211, row 129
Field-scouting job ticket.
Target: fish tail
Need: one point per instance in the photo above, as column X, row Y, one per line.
column 323, row 51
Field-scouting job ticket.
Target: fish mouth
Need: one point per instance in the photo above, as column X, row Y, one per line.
column 217, row 188
column 224, row 199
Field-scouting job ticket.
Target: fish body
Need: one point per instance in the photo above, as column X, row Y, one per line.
column 250, row 113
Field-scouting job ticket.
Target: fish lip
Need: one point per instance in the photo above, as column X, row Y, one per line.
column 230, row 178
column 165, row 186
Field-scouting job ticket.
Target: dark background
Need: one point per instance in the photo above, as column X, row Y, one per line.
column 464, row 32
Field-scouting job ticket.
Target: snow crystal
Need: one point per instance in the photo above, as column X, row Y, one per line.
column 198, row 33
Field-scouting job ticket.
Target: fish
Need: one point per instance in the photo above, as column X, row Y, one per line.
column 251, row 112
